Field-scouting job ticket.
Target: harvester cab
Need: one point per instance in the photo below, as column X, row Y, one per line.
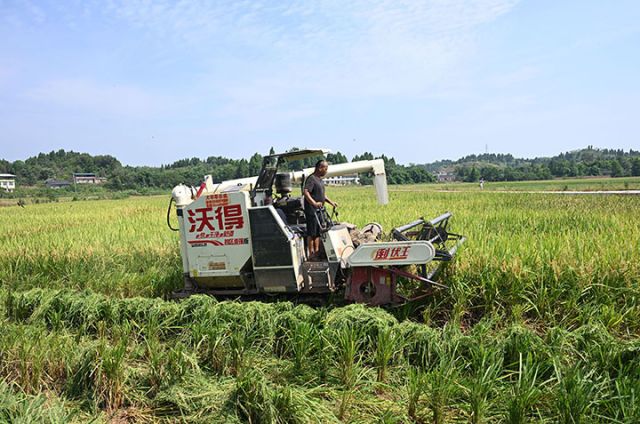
column 246, row 237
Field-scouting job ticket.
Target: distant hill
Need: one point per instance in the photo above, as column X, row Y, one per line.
column 579, row 163
column 62, row 164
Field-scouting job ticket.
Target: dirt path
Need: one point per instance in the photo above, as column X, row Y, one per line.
column 624, row 192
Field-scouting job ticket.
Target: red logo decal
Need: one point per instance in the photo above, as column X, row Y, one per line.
column 221, row 218
column 391, row 253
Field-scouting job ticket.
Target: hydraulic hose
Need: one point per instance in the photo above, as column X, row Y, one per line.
column 168, row 216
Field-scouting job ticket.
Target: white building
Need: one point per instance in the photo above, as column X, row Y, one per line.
column 87, row 178
column 342, row 180
column 445, row 175
column 7, row 182
column 57, row 184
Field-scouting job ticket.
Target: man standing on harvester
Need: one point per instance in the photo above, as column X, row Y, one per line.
column 314, row 199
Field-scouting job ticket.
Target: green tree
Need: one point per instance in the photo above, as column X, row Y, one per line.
column 635, row 167
column 593, row 169
column 616, row 169
column 473, row 175
column 337, row 158
column 255, row 164
column 242, row 169
column 364, row 156
column 5, row 166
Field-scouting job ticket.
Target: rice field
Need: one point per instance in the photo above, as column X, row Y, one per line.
column 541, row 322
column 564, row 184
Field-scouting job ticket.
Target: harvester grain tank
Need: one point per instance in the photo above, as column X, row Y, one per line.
column 246, row 237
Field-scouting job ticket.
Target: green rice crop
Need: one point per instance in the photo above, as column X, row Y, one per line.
column 540, row 321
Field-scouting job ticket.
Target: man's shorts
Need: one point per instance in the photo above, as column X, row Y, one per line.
column 313, row 229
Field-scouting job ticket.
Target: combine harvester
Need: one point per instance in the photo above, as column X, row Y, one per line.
column 239, row 239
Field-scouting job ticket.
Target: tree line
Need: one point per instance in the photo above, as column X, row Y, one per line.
column 580, row 163
column 62, row 164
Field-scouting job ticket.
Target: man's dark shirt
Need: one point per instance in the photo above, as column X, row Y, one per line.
column 315, row 186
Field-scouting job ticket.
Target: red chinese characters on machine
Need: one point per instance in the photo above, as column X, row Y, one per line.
column 236, row 241
column 391, row 253
column 213, row 200
column 216, row 234
column 217, row 218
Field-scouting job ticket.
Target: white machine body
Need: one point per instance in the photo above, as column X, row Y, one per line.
column 216, row 234
column 232, row 241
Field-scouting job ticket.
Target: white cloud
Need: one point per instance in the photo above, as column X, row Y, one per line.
column 35, row 11
column 113, row 99
column 523, row 74
column 21, row 13
column 330, row 47
column 285, row 60
column 300, row 52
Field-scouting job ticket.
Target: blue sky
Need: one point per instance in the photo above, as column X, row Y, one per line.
column 151, row 82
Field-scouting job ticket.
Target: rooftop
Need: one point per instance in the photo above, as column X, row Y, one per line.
column 7, row 176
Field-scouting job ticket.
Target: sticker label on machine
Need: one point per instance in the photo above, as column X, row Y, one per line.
column 392, row 253
column 218, row 223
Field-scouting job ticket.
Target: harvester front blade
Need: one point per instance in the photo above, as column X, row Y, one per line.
column 437, row 233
